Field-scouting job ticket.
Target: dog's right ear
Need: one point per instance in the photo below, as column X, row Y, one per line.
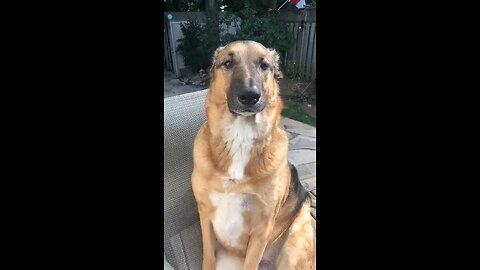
column 214, row 59
column 276, row 64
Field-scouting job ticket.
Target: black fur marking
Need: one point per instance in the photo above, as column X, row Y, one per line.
column 297, row 190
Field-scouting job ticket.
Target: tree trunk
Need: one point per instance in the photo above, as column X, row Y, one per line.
column 211, row 6
column 211, row 10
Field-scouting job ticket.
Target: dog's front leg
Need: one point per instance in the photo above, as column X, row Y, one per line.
column 204, row 212
column 255, row 251
column 208, row 241
column 256, row 246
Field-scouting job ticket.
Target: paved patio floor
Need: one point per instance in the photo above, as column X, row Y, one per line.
column 302, row 150
column 173, row 86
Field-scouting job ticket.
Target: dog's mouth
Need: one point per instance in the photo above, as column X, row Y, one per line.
column 243, row 113
column 239, row 110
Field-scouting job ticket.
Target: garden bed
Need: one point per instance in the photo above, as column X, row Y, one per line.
column 299, row 100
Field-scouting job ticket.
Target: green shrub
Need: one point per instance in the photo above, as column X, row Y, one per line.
column 269, row 31
column 201, row 40
column 192, row 45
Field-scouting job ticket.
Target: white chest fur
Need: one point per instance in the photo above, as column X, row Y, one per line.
column 240, row 138
column 228, row 221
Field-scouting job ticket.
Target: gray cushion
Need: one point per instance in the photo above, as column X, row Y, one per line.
column 183, row 116
column 166, row 265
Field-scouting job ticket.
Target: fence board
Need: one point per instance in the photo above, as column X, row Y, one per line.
column 308, row 53
column 167, row 57
column 294, row 49
column 311, row 38
column 301, row 58
column 305, row 48
column 314, row 53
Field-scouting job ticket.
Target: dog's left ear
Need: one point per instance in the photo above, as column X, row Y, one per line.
column 276, row 64
column 214, row 58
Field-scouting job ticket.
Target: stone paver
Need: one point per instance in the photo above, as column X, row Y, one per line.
column 290, row 123
column 303, row 142
column 309, row 183
column 173, row 86
column 302, row 151
column 297, row 157
column 305, row 132
column 307, row 170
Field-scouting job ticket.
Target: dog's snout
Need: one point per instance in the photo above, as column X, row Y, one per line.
column 249, row 96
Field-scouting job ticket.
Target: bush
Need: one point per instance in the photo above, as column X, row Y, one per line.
column 200, row 41
column 191, row 45
column 269, row 31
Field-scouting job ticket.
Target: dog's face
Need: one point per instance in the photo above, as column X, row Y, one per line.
column 247, row 73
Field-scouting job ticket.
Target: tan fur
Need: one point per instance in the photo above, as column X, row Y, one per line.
column 267, row 174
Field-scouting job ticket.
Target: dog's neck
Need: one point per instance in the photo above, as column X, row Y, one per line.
column 255, row 127
column 238, row 140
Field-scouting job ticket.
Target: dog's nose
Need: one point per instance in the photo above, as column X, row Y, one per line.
column 249, row 96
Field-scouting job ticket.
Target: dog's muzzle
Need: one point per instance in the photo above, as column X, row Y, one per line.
column 246, row 101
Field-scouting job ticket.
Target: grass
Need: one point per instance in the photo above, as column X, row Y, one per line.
column 293, row 108
column 299, row 95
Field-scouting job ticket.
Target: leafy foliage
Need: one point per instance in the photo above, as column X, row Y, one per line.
column 191, row 45
column 269, row 31
column 184, row 5
column 259, row 5
column 201, row 40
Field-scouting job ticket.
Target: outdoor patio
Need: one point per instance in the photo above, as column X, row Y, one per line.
column 302, row 153
column 173, row 86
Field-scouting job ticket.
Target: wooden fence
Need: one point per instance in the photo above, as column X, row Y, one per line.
column 301, row 58
column 167, row 56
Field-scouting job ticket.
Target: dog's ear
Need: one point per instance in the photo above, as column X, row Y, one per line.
column 276, row 64
column 214, row 59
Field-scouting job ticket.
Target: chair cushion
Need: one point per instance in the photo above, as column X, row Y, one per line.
column 183, row 116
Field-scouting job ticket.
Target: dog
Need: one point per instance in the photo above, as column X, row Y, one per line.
column 254, row 213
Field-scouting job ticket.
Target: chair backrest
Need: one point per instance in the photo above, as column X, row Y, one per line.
column 183, row 116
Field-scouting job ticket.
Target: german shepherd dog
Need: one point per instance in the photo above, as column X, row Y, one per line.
column 254, row 213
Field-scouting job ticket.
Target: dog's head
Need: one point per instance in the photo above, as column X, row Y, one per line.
column 244, row 74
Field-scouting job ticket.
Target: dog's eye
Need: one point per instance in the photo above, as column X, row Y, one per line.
column 264, row 66
column 228, row 64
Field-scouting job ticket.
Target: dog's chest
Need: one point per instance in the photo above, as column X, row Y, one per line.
column 228, row 219
column 240, row 139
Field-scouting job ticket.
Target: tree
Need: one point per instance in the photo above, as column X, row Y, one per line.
column 211, row 6
column 272, row 4
column 177, row 5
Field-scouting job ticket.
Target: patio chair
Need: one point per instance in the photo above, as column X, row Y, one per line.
column 183, row 116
